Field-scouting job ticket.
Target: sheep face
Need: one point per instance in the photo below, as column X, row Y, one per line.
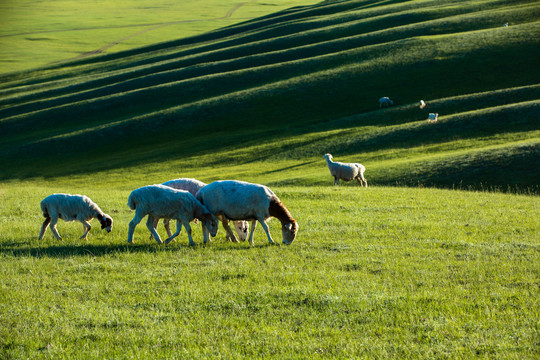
column 289, row 232
column 242, row 229
column 210, row 222
column 106, row 223
column 328, row 157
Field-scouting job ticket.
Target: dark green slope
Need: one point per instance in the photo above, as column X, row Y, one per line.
column 301, row 71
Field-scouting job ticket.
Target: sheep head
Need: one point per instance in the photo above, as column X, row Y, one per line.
column 106, row 222
column 289, row 232
column 210, row 222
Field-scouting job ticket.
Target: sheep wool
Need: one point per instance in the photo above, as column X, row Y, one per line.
column 345, row 171
column 239, row 200
column 159, row 201
column 72, row 208
column 193, row 186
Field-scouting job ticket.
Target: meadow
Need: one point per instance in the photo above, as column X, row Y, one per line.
column 37, row 33
column 437, row 259
column 382, row 272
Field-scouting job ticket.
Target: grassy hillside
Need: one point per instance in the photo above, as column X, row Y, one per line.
column 36, row 33
column 379, row 273
column 294, row 85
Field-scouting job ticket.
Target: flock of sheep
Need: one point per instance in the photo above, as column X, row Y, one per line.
column 385, row 102
column 186, row 200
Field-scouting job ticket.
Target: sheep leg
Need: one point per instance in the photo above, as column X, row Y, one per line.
column 53, row 229
column 150, row 226
column 230, row 235
column 132, row 224
column 336, row 181
column 253, row 225
column 206, row 234
column 265, row 227
column 156, row 222
column 166, row 223
column 178, row 228
column 188, row 231
column 86, row 229
column 44, row 227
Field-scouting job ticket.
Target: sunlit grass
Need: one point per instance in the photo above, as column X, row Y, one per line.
column 35, row 33
column 377, row 272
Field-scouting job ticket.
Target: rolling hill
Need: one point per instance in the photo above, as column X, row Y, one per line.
column 289, row 87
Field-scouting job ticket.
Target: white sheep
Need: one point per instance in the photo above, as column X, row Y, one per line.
column 345, row 171
column 70, row 208
column 159, row 201
column 193, row 186
column 239, row 200
column 385, row 102
column 422, row 104
column 433, row 117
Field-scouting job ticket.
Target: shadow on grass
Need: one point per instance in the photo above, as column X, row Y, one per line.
column 25, row 249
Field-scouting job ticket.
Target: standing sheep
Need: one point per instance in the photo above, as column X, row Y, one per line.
column 433, row 117
column 239, row 200
column 70, row 208
column 158, row 201
column 385, row 102
column 193, row 186
column 345, row 171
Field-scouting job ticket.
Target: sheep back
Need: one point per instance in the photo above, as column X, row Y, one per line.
column 187, row 184
column 69, row 207
column 165, row 202
column 343, row 171
column 237, row 200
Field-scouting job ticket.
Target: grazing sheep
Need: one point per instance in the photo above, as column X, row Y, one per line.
column 239, row 200
column 345, row 171
column 193, row 186
column 433, row 117
column 422, row 104
column 158, row 201
column 70, row 208
column 385, row 102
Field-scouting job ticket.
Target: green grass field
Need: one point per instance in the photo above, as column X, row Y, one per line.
column 374, row 273
column 437, row 259
column 37, row 33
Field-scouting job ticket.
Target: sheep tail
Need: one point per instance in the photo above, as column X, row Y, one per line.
column 44, row 209
column 131, row 202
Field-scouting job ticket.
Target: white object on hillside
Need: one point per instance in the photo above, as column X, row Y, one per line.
column 239, row 200
column 345, row 171
column 385, row 102
column 159, row 201
column 72, row 208
column 193, row 186
column 433, row 117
